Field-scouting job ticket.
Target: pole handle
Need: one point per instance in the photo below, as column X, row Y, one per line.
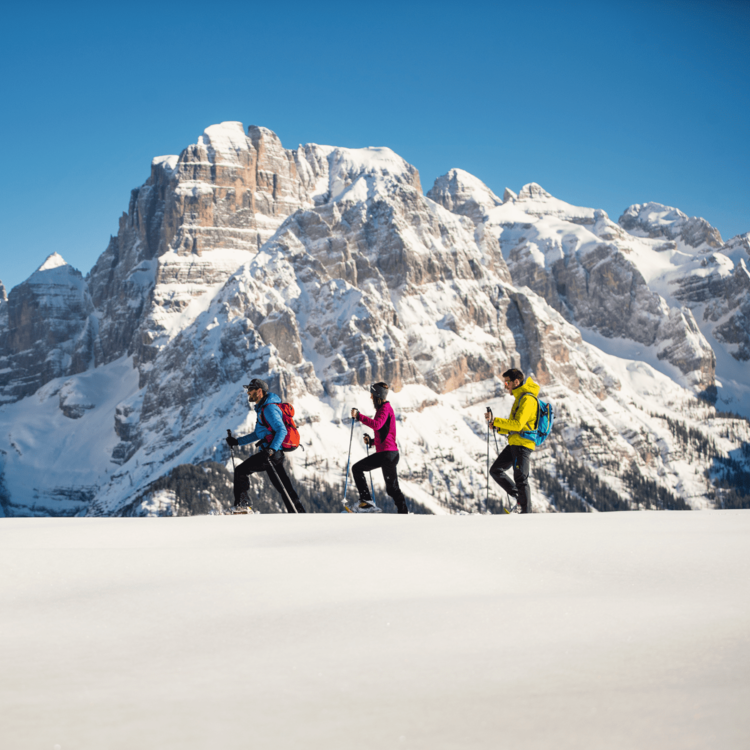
column 229, row 434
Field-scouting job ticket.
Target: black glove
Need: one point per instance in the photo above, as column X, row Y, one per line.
column 368, row 440
column 232, row 441
column 269, row 452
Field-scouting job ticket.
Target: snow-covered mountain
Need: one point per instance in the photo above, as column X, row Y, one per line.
column 323, row 269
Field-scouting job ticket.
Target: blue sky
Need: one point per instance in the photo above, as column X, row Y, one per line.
column 603, row 104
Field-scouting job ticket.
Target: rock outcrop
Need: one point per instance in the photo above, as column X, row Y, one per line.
column 583, row 265
column 708, row 276
column 656, row 220
column 188, row 228
column 48, row 329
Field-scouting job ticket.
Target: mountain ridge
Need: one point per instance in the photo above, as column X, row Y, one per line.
column 323, row 269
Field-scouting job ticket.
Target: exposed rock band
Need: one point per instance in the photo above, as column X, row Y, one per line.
column 272, row 432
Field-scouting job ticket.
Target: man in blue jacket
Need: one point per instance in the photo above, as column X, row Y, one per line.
column 270, row 457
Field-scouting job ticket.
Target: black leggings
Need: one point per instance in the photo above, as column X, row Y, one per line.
column 386, row 460
column 276, row 473
column 517, row 456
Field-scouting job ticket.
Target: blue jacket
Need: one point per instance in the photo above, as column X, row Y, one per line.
column 272, row 415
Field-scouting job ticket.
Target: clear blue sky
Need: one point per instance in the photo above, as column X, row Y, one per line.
column 604, row 104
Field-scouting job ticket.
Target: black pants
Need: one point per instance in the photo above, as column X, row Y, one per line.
column 519, row 458
column 276, row 473
column 386, row 460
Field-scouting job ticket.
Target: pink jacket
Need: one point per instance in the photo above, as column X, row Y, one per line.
column 384, row 425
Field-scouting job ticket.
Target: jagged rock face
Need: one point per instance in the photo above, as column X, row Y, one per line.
column 230, row 190
column 462, row 193
column 187, row 229
column 377, row 233
column 604, row 292
column 48, row 329
column 738, row 249
column 710, row 277
column 545, row 344
column 579, row 262
column 725, row 301
column 686, row 346
column 656, row 220
column 355, row 288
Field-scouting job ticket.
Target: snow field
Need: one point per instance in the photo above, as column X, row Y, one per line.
column 618, row 630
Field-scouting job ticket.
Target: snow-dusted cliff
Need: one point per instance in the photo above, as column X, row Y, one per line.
column 323, row 269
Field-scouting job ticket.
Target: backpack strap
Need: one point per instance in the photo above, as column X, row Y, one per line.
column 537, row 411
column 269, row 438
column 523, row 432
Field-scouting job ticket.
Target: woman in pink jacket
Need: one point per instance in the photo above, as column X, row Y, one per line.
column 386, row 451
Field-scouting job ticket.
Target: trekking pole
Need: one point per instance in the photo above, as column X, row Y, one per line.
column 497, row 448
column 348, row 458
column 372, row 489
column 231, row 448
column 286, row 494
column 487, row 498
column 497, row 445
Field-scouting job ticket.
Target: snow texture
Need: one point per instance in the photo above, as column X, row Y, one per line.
column 586, row 631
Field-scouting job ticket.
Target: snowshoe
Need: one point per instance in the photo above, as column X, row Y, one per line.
column 243, row 508
column 369, row 507
column 362, row 507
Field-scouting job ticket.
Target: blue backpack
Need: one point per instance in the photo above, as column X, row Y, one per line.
column 544, row 421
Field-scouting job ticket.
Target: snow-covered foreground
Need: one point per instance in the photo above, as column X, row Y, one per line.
column 620, row 630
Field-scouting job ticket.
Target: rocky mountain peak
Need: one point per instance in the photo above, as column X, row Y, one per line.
column 47, row 329
column 657, row 220
column 464, row 194
column 166, row 164
column 369, row 173
column 226, row 141
column 3, row 295
column 55, row 277
column 197, row 218
column 533, row 191
column 53, row 261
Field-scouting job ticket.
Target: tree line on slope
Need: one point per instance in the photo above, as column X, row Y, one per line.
column 731, row 474
column 575, row 488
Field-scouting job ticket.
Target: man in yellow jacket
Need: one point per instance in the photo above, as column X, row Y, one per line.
column 523, row 416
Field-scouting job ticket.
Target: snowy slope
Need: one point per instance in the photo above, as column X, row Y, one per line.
column 582, row 631
column 657, row 278
column 55, row 464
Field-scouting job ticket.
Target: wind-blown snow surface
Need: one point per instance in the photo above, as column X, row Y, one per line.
column 619, row 630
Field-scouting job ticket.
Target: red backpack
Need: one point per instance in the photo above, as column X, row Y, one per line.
column 291, row 441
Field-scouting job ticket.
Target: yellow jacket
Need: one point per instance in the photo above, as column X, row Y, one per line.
column 522, row 415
